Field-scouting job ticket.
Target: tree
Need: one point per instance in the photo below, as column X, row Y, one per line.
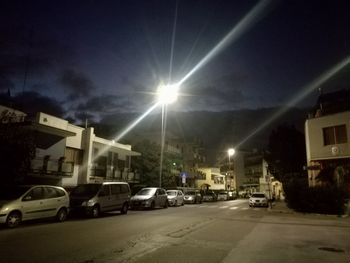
column 287, row 153
column 17, row 150
column 148, row 165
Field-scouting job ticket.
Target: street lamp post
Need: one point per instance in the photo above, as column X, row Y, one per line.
column 230, row 152
column 167, row 94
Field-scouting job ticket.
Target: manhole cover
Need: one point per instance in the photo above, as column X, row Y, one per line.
column 332, row 249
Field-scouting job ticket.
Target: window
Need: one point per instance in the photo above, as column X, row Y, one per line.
column 125, row 188
column 73, row 155
column 335, row 135
column 50, row 192
column 35, row 194
column 115, row 189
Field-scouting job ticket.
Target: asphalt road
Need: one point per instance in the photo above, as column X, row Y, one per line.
column 226, row 231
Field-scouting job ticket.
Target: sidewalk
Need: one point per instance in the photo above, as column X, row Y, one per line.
column 281, row 207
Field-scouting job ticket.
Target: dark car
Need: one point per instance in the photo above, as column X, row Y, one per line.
column 209, row 196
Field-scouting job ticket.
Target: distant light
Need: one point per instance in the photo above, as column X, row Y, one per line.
column 167, row 94
column 174, row 164
column 231, row 152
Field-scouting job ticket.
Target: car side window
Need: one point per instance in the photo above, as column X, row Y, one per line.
column 60, row 192
column 50, row 192
column 104, row 190
column 125, row 188
column 35, row 194
column 115, row 189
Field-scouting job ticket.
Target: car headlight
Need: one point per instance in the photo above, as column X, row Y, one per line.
column 146, row 202
column 88, row 203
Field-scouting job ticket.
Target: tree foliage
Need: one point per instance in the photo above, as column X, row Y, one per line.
column 17, row 150
column 148, row 165
column 287, row 153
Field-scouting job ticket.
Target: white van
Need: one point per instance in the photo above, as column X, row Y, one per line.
column 92, row 199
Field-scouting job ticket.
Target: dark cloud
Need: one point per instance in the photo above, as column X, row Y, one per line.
column 104, row 105
column 33, row 102
column 77, row 84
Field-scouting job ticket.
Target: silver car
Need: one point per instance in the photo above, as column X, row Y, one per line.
column 149, row 197
column 175, row 197
column 92, row 199
column 258, row 199
column 20, row 203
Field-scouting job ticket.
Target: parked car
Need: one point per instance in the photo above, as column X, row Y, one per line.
column 222, row 196
column 231, row 195
column 92, row 199
column 193, row 197
column 149, row 197
column 21, row 203
column 175, row 197
column 209, row 196
column 258, row 199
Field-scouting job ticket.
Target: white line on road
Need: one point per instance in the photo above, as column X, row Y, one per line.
column 234, row 207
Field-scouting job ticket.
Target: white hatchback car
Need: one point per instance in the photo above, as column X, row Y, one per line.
column 175, row 197
column 20, row 203
column 258, row 199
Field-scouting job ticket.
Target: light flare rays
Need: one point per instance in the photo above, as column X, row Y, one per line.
column 305, row 91
column 246, row 23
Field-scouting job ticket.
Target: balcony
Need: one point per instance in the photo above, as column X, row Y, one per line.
column 45, row 166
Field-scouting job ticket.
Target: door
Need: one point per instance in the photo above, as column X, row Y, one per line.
column 33, row 204
column 116, row 200
column 105, row 199
column 53, row 200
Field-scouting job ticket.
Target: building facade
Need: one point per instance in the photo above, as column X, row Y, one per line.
column 68, row 155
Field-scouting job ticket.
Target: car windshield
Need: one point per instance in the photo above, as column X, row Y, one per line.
column 11, row 193
column 146, row 191
column 258, row 195
column 86, row 190
column 172, row 193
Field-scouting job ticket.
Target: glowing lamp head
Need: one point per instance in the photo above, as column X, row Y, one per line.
column 167, row 93
column 231, row 152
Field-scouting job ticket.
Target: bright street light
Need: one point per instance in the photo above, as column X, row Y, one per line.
column 167, row 94
column 231, row 152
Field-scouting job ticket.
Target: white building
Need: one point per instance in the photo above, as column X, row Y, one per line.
column 327, row 145
column 211, row 179
column 68, row 155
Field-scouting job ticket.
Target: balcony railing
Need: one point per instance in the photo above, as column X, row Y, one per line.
column 115, row 174
column 55, row 167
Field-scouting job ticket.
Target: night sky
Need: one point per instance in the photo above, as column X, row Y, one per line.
column 104, row 57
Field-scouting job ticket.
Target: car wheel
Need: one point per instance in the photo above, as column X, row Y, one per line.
column 13, row 219
column 175, row 204
column 152, row 205
column 183, row 202
column 95, row 212
column 61, row 215
column 124, row 209
column 166, row 204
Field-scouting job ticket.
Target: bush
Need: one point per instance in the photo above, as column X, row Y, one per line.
column 319, row 199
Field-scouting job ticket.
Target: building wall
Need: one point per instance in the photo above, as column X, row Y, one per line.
column 211, row 173
column 314, row 137
column 316, row 151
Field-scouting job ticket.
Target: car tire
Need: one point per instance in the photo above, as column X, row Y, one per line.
column 175, row 204
column 124, row 209
column 13, row 219
column 95, row 211
column 152, row 205
column 61, row 215
column 166, row 204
